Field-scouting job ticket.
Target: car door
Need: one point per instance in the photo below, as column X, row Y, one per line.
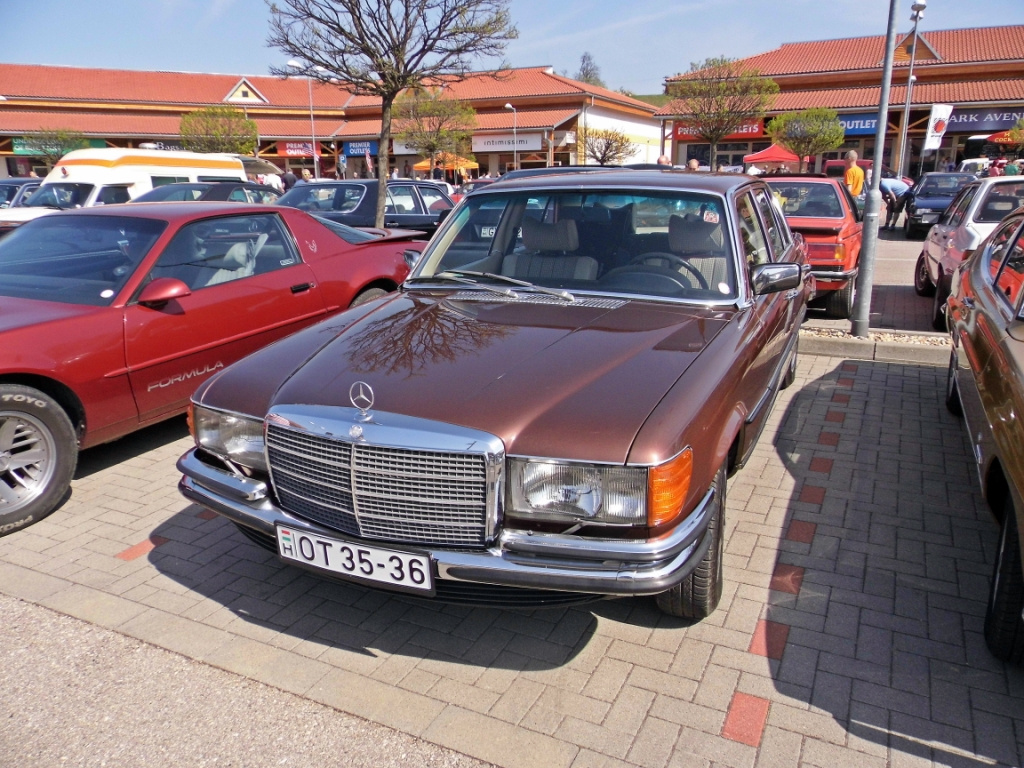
column 980, row 312
column 939, row 235
column 404, row 210
column 248, row 287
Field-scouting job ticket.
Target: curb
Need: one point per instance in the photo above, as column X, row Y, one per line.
column 883, row 351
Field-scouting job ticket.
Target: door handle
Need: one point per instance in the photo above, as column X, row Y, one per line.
column 300, row 287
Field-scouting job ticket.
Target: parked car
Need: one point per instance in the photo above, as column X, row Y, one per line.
column 986, row 384
column 976, row 166
column 410, row 204
column 232, row 191
column 550, row 406
column 469, row 186
column 824, row 212
column 16, row 190
column 112, row 315
column 929, row 198
column 970, row 218
column 525, row 173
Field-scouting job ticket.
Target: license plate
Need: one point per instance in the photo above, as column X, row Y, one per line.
column 930, row 218
column 402, row 570
column 487, row 232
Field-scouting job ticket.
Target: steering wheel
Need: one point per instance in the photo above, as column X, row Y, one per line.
column 676, row 261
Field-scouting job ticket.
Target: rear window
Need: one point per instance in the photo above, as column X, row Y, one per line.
column 1000, row 201
column 804, row 198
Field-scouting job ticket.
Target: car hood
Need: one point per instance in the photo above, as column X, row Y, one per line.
column 25, row 313
column 549, row 378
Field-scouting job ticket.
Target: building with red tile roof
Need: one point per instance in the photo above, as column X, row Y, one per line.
column 121, row 108
column 980, row 72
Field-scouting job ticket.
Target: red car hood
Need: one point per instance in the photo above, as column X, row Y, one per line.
column 22, row 313
column 550, row 379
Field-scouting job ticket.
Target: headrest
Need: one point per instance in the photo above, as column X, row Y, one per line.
column 692, row 234
column 559, row 236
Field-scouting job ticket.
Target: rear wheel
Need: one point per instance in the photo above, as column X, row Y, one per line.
column 697, row 596
column 923, row 285
column 38, row 455
column 839, row 304
column 1004, row 629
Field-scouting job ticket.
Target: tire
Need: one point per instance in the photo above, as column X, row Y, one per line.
column 368, row 295
column 790, row 375
column 939, row 306
column 839, row 304
column 38, row 455
column 1004, row 629
column 953, row 404
column 923, row 285
column 697, row 596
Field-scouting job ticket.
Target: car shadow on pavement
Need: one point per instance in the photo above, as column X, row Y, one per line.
column 105, row 456
column 873, row 628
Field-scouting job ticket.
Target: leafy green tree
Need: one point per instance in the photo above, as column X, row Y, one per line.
column 808, row 132
column 218, row 129
column 607, row 146
column 385, row 48
column 52, row 145
column 717, row 96
column 428, row 123
column 1016, row 135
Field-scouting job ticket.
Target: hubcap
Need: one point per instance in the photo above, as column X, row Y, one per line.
column 27, row 460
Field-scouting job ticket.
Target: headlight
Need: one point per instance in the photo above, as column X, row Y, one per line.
column 231, row 436
column 567, row 492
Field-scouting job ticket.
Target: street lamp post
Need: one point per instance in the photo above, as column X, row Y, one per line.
column 312, row 124
column 515, row 137
column 917, row 13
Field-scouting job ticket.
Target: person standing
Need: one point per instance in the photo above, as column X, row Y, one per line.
column 288, row 180
column 854, row 176
column 693, row 164
column 663, row 160
column 894, row 192
column 438, row 173
column 1012, row 168
column 406, row 170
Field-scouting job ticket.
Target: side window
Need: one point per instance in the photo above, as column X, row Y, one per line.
column 239, row 195
column 755, row 246
column 997, row 247
column 958, row 209
column 111, row 195
column 433, row 200
column 776, row 238
column 215, row 251
column 1010, row 278
column 402, row 199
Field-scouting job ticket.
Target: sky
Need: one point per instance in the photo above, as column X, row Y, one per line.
column 635, row 44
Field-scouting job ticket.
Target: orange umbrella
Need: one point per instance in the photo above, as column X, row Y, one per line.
column 449, row 162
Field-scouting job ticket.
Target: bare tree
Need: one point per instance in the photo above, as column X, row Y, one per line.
column 589, row 71
column 808, row 132
column 383, row 48
column 218, row 129
column 607, row 146
column 718, row 95
column 52, row 145
column 428, row 123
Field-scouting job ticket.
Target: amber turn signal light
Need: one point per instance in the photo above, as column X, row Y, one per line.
column 667, row 487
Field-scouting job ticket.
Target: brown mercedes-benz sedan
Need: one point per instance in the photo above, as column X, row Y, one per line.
column 548, row 408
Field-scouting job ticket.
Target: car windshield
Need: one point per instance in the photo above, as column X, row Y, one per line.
column 173, row 192
column 61, row 195
column 345, row 232
column 74, row 259
column 942, row 186
column 666, row 244
column 1000, row 200
column 340, row 198
column 807, row 198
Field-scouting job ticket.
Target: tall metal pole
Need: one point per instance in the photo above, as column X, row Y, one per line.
column 515, row 137
column 873, row 204
column 905, row 125
column 312, row 132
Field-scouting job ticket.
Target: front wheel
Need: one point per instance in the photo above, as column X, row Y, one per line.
column 953, row 404
column 697, row 596
column 368, row 295
column 1004, row 629
column 38, row 455
column 923, row 285
column 939, row 306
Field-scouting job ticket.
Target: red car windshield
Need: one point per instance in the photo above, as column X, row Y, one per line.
column 75, row 259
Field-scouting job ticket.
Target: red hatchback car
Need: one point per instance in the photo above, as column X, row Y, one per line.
column 824, row 212
column 112, row 316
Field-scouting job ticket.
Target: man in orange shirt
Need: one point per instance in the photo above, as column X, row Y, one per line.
column 854, row 176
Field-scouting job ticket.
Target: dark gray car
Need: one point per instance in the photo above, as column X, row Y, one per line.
column 16, row 190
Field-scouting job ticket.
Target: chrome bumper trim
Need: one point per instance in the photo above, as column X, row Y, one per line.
column 826, row 276
column 540, row 561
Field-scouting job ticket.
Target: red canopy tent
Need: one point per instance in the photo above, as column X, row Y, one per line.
column 774, row 154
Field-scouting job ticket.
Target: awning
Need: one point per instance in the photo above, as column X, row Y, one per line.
column 449, row 162
column 1003, row 137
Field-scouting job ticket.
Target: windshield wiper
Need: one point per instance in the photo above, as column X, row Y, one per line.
column 448, row 276
column 512, row 280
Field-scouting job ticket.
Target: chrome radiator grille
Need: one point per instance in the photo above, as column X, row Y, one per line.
column 389, row 494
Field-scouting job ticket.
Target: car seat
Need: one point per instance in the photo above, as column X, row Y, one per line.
column 548, row 253
column 701, row 243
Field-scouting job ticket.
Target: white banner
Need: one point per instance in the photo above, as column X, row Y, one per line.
column 937, row 125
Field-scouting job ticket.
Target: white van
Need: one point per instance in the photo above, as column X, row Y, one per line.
column 88, row 177
column 975, row 166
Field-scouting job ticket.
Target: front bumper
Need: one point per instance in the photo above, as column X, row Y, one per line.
column 559, row 562
column 833, row 279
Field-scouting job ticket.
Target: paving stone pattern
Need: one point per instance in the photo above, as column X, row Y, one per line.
column 857, row 563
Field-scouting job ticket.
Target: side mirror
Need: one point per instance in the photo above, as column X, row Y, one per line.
column 442, row 215
column 162, row 290
column 772, row 278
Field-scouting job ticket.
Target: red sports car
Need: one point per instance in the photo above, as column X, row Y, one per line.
column 110, row 317
column 824, row 212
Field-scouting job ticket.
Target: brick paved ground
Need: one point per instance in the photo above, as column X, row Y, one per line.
column 850, row 633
